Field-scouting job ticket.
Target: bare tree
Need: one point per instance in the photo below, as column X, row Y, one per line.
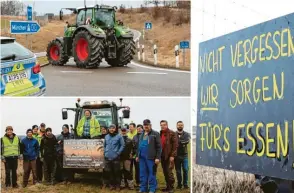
column 9, row 7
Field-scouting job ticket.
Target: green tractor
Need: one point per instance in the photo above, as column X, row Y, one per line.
column 95, row 35
column 86, row 155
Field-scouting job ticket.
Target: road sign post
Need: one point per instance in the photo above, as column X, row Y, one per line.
column 184, row 45
column 24, row 27
column 143, row 53
column 138, row 49
column 177, row 56
column 155, row 54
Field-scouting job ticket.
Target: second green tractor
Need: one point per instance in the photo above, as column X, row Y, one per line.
column 95, row 35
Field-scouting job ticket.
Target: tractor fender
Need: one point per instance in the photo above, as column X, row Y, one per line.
column 60, row 39
column 90, row 30
column 123, row 32
column 129, row 34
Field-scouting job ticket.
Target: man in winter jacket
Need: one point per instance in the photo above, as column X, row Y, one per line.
column 88, row 127
column 39, row 164
column 113, row 147
column 30, row 149
column 104, row 132
column 10, row 153
column 48, row 156
column 148, row 154
column 135, row 145
column 62, row 174
column 169, row 143
column 181, row 161
column 125, row 164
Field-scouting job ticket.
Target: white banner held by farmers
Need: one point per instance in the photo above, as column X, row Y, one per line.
column 177, row 56
column 155, row 54
column 143, row 53
column 139, row 53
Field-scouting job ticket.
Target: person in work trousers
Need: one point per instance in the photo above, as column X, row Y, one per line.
column 48, row 156
column 88, row 127
column 38, row 136
column 169, row 142
column 10, row 153
column 148, row 154
column 126, row 160
column 132, row 132
column 181, row 161
column 30, row 149
column 62, row 174
column 135, row 144
column 113, row 146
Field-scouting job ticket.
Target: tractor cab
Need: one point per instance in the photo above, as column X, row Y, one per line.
column 102, row 16
column 104, row 111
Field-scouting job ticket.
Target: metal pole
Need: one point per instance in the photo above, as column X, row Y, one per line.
column 155, row 54
column 139, row 53
column 184, row 56
column 143, row 53
column 177, row 56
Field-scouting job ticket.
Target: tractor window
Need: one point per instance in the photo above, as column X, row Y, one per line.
column 81, row 18
column 105, row 17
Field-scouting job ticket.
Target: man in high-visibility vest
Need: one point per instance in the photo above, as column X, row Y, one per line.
column 10, row 153
column 88, row 127
column 38, row 136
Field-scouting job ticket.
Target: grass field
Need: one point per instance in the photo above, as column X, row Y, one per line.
column 84, row 183
column 165, row 34
column 215, row 180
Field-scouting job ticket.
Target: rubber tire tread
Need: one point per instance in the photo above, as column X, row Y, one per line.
column 63, row 58
column 125, row 54
column 96, row 50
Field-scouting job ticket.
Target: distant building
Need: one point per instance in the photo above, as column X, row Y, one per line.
column 49, row 15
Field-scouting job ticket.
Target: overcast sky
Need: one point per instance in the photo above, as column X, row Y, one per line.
column 54, row 6
column 23, row 113
column 230, row 16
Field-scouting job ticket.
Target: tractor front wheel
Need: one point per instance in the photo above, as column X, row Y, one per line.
column 125, row 54
column 87, row 50
column 56, row 54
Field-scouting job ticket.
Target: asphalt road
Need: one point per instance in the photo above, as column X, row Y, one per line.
column 132, row 80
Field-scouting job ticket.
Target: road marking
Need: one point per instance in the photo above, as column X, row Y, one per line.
column 161, row 69
column 146, row 73
column 77, row 72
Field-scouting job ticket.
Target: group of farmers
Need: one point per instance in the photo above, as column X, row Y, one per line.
column 133, row 146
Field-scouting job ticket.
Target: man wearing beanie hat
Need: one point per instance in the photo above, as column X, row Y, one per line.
column 62, row 174
column 31, row 149
column 113, row 146
column 48, row 156
column 10, row 153
column 126, row 160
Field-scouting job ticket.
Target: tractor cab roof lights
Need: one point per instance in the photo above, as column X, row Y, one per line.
column 96, row 102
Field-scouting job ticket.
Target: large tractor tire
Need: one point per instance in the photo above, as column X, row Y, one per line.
column 56, row 54
column 88, row 50
column 125, row 54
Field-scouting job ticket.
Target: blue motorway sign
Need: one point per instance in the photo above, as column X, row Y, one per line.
column 29, row 13
column 245, row 114
column 184, row 45
column 24, row 27
column 148, row 25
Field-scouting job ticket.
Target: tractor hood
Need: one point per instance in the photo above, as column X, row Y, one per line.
column 123, row 31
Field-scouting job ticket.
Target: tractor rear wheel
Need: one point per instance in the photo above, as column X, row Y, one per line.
column 56, row 54
column 125, row 54
column 88, row 50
